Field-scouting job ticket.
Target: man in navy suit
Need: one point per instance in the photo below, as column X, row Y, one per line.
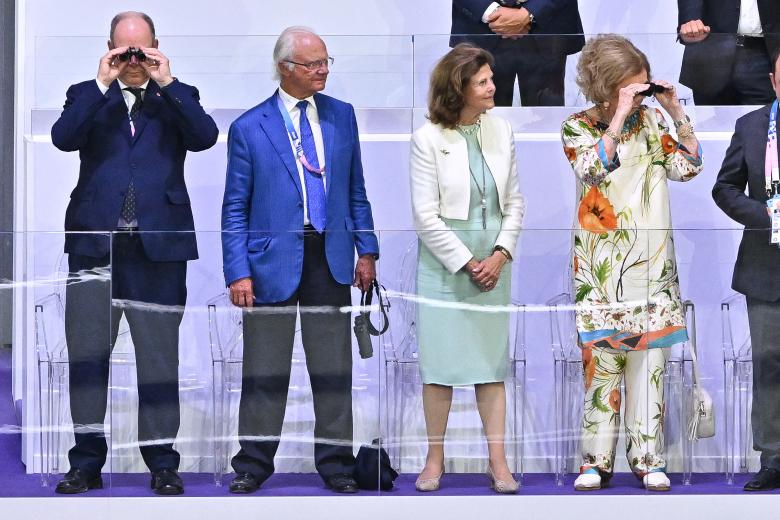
column 132, row 127
column 756, row 272
column 525, row 39
column 294, row 212
column 728, row 44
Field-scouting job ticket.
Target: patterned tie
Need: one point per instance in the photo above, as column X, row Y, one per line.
column 315, row 185
column 128, row 205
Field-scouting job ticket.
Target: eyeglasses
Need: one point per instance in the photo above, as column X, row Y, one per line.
column 314, row 65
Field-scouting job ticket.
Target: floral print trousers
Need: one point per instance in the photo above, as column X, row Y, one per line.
column 604, row 368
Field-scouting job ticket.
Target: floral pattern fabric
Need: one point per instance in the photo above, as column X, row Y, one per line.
column 626, row 289
column 604, row 369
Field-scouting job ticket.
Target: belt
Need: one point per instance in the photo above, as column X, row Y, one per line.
column 308, row 229
column 127, row 229
column 750, row 41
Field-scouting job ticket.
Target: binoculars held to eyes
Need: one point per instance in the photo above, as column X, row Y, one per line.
column 130, row 52
column 652, row 90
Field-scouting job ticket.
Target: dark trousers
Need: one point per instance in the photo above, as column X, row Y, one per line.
column 749, row 82
column 764, row 320
column 540, row 77
column 99, row 290
column 269, row 332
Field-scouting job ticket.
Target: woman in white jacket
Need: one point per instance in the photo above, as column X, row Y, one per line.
column 467, row 212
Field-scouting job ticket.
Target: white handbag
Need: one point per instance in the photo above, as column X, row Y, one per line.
column 702, row 421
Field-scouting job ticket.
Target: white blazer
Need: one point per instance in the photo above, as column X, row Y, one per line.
column 441, row 186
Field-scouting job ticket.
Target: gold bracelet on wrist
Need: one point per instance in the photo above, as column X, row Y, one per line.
column 504, row 251
column 685, row 131
column 612, row 135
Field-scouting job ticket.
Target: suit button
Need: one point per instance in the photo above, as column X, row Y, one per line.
column 133, row 165
column 300, row 204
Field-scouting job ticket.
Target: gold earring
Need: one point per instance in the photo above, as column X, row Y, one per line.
column 605, row 104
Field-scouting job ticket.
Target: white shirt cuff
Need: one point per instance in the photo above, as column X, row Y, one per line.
column 492, row 7
column 103, row 88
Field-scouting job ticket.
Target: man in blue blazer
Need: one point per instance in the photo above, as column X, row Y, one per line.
column 294, row 212
column 756, row 274
column 728, row 45
column 132, row 127
column 525, row 39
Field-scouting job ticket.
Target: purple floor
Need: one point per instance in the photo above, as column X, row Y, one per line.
column 15, row 482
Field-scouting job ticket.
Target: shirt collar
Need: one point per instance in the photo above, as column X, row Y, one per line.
column 290, row 102
column 122, row 86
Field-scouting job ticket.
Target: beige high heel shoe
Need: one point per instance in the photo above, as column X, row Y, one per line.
column 504, row 487
column 428, row 484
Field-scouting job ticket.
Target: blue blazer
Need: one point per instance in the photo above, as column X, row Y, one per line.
column 262, row 211
column 553, row 17
column 171, row 123
column 755, row 271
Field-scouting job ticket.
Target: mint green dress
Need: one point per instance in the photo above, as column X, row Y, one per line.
column 464, row 345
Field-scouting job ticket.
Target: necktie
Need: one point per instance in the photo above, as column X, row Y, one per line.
column 315, row 185
column 128, row 205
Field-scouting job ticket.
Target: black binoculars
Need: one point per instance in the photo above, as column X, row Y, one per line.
column 130, row 52
column 652, row 90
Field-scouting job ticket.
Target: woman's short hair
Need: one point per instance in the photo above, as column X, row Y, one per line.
column 606, row 60
column 449, row 80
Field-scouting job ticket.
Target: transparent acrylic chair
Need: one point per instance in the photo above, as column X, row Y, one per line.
column 737, row 384
column 226, row 345
column 55, row 434
column 402, row 374
column 569, row 390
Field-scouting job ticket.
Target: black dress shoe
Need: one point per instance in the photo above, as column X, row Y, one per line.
column 167, row 482
column 78, row 481
column 342, row 483
column 244, row 483
column 764, row 480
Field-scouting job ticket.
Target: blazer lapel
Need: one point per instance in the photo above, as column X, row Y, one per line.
column 151, row 104
column 327, row 125
column 272, row 124
column 118, row 108
column 492, row 152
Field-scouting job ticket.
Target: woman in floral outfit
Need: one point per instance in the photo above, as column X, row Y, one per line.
column 628, row 305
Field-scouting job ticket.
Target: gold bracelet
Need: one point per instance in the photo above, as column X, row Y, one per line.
column 685, row 131
column 609, row 133
column 503, row 251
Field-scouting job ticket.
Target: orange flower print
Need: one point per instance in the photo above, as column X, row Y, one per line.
column 589, row 366
column 571, row 153
column 576, row 264
column 668, row 144
column 614, row 400
column 596, row 213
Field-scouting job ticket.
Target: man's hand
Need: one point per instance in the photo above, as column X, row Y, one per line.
column 157, row 65
column 241, row 293
column 365, row 272
column 508, row 22
column 110, row 66
column 694, row 31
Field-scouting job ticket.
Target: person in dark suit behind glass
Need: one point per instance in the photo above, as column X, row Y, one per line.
column 756, row 274
column 132, row 126
column 728, row 44
column 538, row 62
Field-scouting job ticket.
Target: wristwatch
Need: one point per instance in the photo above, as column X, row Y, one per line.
column 504, row 251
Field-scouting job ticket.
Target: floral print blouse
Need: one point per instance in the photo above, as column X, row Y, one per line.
column 627, row 294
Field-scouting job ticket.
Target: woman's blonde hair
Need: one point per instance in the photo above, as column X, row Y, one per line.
column 606, row 60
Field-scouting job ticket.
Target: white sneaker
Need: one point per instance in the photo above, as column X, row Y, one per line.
column 656, row 481
column 588, row 482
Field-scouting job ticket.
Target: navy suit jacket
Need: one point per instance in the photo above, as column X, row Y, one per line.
column 262, row 211
column 700, row 71
column 756, row 269
column 171, row 123
column 552, row 17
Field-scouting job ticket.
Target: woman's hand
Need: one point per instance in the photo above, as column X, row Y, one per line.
column 487, row 272
column 627, row 100
column 669, row 100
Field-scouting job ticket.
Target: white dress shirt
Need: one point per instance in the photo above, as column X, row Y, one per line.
column 290, row 103
column 749, row 19
column 129, row 100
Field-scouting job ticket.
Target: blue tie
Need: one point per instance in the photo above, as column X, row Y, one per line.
column 315, row 187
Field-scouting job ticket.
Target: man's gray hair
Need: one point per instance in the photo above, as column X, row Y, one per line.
column 285, row 46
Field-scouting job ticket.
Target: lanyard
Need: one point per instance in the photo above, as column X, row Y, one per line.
column 771, row 170
column 296, row 139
